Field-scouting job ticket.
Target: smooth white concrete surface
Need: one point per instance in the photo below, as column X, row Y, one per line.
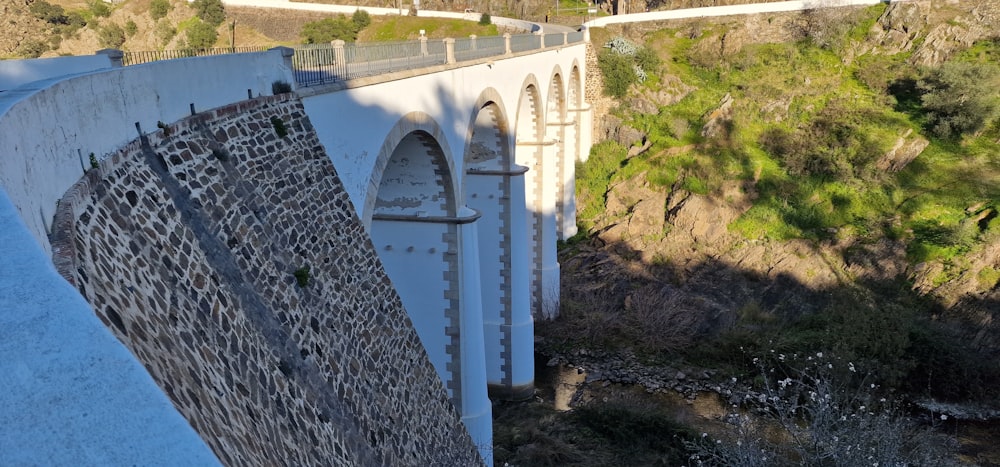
column 70, row 393
column 448, row 97
column 50, row 127
column 752, row 8
column 14, row 73
column 477, row 410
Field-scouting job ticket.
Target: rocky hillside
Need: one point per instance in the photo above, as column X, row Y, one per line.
column 703, row 224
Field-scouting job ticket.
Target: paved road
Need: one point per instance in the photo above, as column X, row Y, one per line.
column 752, row 8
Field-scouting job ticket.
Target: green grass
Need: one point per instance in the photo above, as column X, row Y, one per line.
column 403, row 28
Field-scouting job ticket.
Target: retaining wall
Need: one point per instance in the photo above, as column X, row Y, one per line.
column 187, row 243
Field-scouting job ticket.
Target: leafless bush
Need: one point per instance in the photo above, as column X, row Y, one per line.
column 821, row 411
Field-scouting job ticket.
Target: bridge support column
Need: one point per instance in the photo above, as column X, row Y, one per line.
column 540, row 200
column 434, row 266
column 503, row 255
column 476, row 409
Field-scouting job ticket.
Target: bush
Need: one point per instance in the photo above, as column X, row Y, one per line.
column 618, row 73
column 48, row 12
column 201, row 35
column 99, row 8
column 131, row 28
column 959, row 98
column 302, row 276
column 361, row 19
column 833, row 146
column 159, row 8
column 280, row 87
column 329, row 29
column 485, row 20
column 164, row 31
column 32, row 49
column 212, row 12
column 111, row 36
column 825, row 412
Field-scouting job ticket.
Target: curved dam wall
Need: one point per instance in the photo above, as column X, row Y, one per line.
column 192, row 245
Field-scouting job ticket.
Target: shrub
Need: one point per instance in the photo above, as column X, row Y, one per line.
column 824, row 411
column 111, row 36
column 48, row 12
column 159, row 8
column 32, row 49
column 212, row 12
column 361, row 19
column 131, row 28
column 302, row 276
column 617, row 71
column 201, row 35
column 99, row 8
column 279, row 127
column 642, row 433
column 164, row 31
column 485, row 20
column 280, row 87
column 959, row 98
column 329, row 29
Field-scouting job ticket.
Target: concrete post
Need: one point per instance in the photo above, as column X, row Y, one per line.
column 423, row 46
column 565, row 38
column 287, row 53
column 541, row 39
column 338, row 53
column 116, row 56
column 506, row 43
column 449, row 50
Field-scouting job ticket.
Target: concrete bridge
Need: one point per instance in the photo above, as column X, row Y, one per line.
column 459, row 175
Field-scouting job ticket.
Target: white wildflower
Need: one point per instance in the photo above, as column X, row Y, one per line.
column 944, row 417
column 850, row 366
column 819, row 354
column 784, row 382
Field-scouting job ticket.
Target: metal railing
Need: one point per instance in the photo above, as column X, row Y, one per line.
column 525, row 42
column 317, row 64
column 135, row 58
column 479, row 47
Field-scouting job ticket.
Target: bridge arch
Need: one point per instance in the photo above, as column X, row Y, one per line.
column 555, row 130
column 534, row 150
column 494, row 186
column 427, row 243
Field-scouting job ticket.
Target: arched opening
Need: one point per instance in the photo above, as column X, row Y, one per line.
column 494, row 186
column 556, row 130
column 427, row 243
column 418, row 246
column 534, row 151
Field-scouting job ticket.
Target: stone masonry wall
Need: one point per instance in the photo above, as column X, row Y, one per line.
column 186, row 242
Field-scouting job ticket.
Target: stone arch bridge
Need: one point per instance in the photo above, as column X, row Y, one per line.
column 159, row 188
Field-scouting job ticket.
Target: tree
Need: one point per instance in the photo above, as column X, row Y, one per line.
column 111, row 36
column 201, row 35
column 361, row 19
column 210, row 11
column 159, row 8
column 959, row 98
